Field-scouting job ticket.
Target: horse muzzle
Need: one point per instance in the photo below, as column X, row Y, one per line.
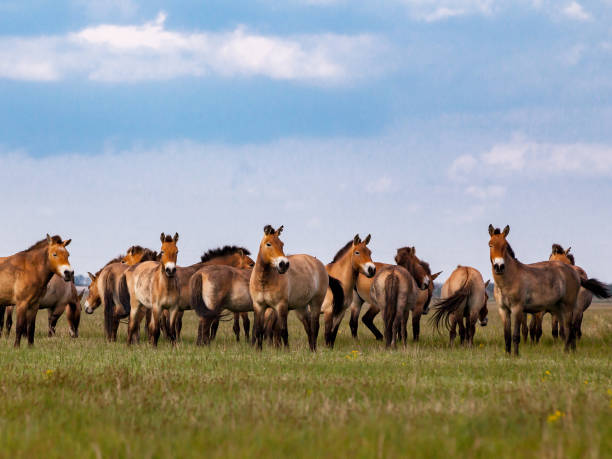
column 484, row 322
column 369, row 270
column 68, row 275
column 499, row 266
column 283, row 266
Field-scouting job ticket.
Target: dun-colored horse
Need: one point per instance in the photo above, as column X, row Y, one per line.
column 297, row 282
column 151, row 285
column 463, row 302
column 550, row 286
column 406, row 257
column 351, row 260
column 24, row 278
column 60, row 297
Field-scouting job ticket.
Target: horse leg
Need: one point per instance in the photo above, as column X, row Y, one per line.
column 578, row 324
column 507, row 321
column 73, row 317
column 134, row 322
column 416, row 326
column 213, row 328
column 555, row 326
column 355, row 311
column 461, row 323
column 524, row 329
column 20, row 323
column 283, row 311
column 52, row 320
column 337, row 320
column 31, row 318
column 246, row 325
column 258, row 325
column 155, row 324
column 2, row 311
column 566, row 323
column 172, row 318
column 368, row 321
column 328, row 320
column 532, row 327
column 115, row 328
column 236, row 327
column 517, row 316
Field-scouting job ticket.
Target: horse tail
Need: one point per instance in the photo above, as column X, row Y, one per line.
column 124, row 294
column 447, row 306
column 596, row 287
column 391, row 293
column 109, row 303
column 2, row 310
column 338, row 293
column 198, row 303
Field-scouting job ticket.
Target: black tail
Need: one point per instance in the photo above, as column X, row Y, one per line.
column 596, row 287
column 390, row 309
column 109, row 303
column 124, row 294
column 445, row 307
column 197, row 300
column 338, row 293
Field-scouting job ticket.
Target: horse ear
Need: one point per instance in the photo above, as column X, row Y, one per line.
column 491, row 230
column 280, row 230
column 162, row 238
column 176, row 237
column 91, row 276
column 506, row 230
column 412, row 251
column 568, row 251
column 356, row 239
column 268, row 230
column 48, row 239
column 241, row 252
column 366, row 241
column 65, row 243
column 487, row 283
column 435, row 276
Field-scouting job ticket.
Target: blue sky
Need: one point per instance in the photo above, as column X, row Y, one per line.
column 418, row 121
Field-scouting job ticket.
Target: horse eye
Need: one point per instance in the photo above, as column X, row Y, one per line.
column 356, row 253
column 268, row 244
column 55, row 254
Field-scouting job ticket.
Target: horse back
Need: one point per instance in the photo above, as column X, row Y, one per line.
column 306, row 278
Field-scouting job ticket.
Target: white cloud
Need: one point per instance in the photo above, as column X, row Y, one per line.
column 575, row 11
column 461, row 166
column 150, row 51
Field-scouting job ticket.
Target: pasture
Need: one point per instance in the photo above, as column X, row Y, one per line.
column 87, row 398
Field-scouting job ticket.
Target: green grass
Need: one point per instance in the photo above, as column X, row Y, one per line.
column 88, row 398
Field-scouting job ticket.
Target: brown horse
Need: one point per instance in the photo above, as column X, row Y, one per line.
column 151, row 285
column 104, row 288
column 282, row 283
column 550, row 286
column 24, row 278
column 215, row 288
column 585, row 298
column 424, row 282
column 60, row 297
column 351, row 260
column 229, row 255
column 464, row 296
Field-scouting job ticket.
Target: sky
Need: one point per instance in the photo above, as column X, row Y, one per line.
column 418, row 121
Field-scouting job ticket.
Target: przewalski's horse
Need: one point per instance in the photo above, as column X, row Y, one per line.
column 24, row 278
column 542, row 287
column 229, row 255
column 585, row 298
column 282, row 283
column 104, row 288
column 464, row 297
column 215, row 288
column 406, row 257
column 151, row 285
column 351, row 260
column 363, row 288
column 60, row 297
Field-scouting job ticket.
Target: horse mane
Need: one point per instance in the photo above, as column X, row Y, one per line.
column 168, row 238
column 117, row 259
column 425, row 266
column 222, row 251
column 510, row 250
column 557, row 249
column 43, row 242
column 342, row 251
column 148, row 254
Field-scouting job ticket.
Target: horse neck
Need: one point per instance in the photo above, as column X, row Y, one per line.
column 39, row 262
column 262, row 271
column 513, row 266
column 165, row 281
column 344, row 272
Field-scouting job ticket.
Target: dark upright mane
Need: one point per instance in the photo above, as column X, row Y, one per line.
column 43, row 242
column 425, row 266
column 342, row 251
column 147, row 254
column 510, row 250
column 557, row 249
column 117, row 259
column 222, row 251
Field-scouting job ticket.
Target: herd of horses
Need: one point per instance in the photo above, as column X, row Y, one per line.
column 146, row 284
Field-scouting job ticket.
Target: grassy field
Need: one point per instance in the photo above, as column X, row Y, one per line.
column 88, row 398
